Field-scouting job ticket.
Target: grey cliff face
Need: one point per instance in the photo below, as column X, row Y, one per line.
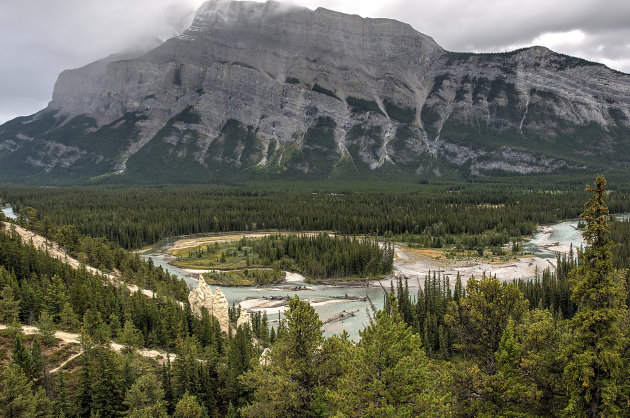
column 270, row 88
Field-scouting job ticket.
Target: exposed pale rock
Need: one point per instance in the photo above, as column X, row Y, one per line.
column 265, row 357
column 216, row 304
column 244, row 318
column 220, row 309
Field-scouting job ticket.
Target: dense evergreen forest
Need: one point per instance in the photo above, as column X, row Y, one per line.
column 325, row 257
column 470, row 216
column 106, row 256
column 557, row 345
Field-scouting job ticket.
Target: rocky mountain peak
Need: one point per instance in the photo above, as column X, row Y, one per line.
column 277, row 90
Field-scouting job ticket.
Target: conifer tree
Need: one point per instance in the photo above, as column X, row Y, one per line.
column 18, row 397
column 68, row 320
column 94, row 326
column 390, row 375
column 294, row 380
column 145, row 398
column 62, row 404
column 188, row 407
column 21, row 357
column 239, row 356
column 100, row 384
column 114, row 326
column 9, row 306
column 480, row 317
column 46, row 328
column 56, row 297
column 165, row 379
column 38, row 361
column 131, row 337
column 594, row 365
column 187, row 368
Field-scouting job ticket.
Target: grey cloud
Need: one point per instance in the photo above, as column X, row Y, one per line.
column 41, row 38
column 494, row 25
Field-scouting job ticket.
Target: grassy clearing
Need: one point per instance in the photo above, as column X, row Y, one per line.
column 490, row 255
column 231, row 255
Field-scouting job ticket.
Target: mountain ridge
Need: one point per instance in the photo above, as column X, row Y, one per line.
column 276, row 90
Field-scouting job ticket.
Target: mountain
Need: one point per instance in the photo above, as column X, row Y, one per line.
column 266, row 89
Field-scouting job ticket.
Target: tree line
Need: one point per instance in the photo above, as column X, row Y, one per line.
column 470, row 216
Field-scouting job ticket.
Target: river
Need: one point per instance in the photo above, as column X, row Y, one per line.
column 8, row 212
column 329, row 301
column 323, row 297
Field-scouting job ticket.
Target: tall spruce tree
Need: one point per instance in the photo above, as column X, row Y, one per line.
column 594, row 364
column 62, row 406
column 301, row 366
column 479, row 319
column 145, row 398
column 19, row 397
column 388, row 374
column 21, row 357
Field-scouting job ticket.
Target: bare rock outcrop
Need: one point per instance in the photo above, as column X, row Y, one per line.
column 244, row 318
column 215, row 303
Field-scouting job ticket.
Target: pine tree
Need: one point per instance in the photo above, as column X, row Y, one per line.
column 62, row 404
column 131, row 337
column 114, row 326
column 38, row 361
column 294, row 380
column 239, row 356
column 68, row 320
column 145, row 398
column 101, row 389
column 390, row 375
column 46, row 328
column 9, row 306
column 186, row 368
column 21, row 357
column 165, row 379
column 18, row 397
column 480, row 317
column 232, row 412
column 188, row 407
column 94, row 326
column 56, row 297
column 594, row 367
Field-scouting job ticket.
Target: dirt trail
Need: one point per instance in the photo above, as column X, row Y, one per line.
column 72, row 338
column 62, row 365
column 57, row 252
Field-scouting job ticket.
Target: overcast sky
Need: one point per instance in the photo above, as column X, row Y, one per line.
column 41, row 38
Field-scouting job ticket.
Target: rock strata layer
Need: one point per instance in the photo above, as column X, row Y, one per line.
column 270, row 89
